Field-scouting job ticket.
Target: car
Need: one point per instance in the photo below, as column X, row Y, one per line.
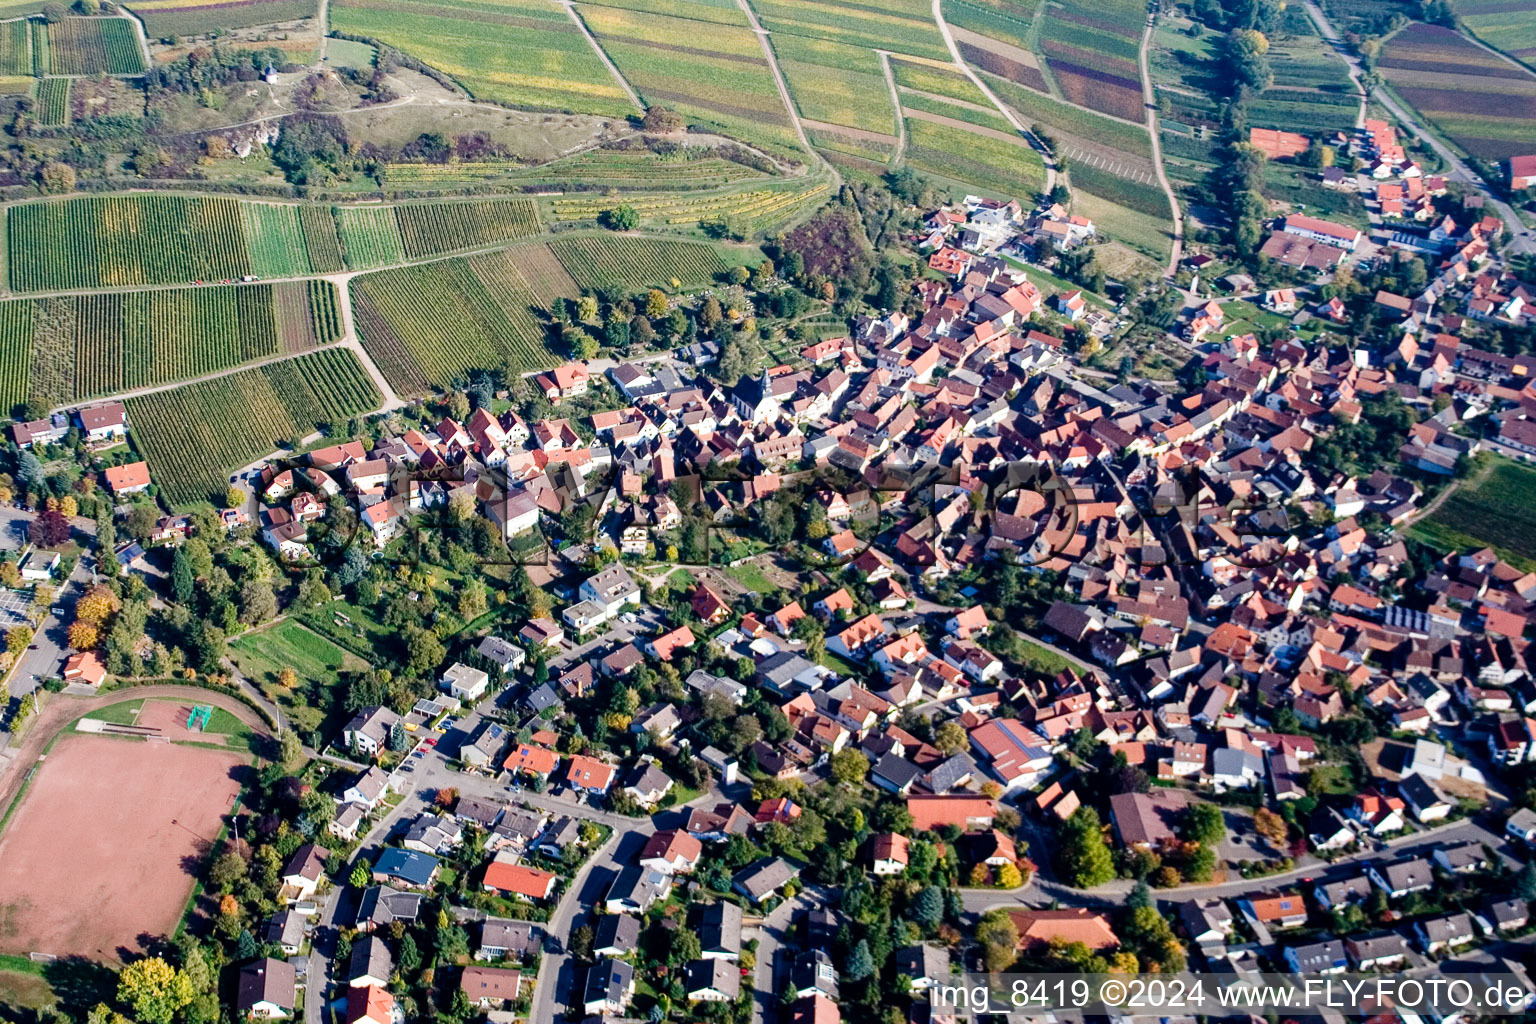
column 430, row 741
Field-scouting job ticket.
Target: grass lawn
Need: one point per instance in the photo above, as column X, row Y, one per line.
column 751, row 577
column 25, row 989
column 1496, row 508
column 1042, row 659
column 125, row 713
column 1049, row 284
column 262, row 655
column 1244, row 318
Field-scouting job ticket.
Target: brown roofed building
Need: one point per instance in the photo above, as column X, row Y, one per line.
column 1079, row 924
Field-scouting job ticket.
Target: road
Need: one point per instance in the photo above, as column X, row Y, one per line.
column 1521, row 239
column 1149, row 101
column 1039, row 891
column 1046, row 155
column 602, row 54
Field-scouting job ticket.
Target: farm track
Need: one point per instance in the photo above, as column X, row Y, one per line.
column 901, row 122
column 778, row 76
column 602, row 54
column 1149, row 99
column 1008, row 115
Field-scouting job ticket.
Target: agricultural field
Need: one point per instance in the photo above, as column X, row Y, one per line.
column 864, row 152
column 107, row 241
column 633, row 263
column 1508, row 25
column 63, row 349
column 15, row 48
column 1151, row 234
column 1482, row 102
column 370, row 236
column 709, row 67
column 1072, row 124
column 428, row 325
column 1091, row 48
column 165, row 18
column 42, row 61
column 836, row 83
column 192, row 436
column 94, row 46
column 430, row 229
column 1495, row 507
column 639, row 169
column 1003, row 167
column 942, row 111
column 524, row 53
column 936, row 80
column 287, row 240
column 744, row 212
column 901, row 26
column 53, row 101
column 1004, row 21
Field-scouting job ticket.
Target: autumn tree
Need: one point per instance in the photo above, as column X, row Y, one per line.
column 83, row 636
column 155, row 990
column 49, row 529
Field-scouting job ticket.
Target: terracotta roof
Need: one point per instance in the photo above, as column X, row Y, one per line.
column 1079, row 924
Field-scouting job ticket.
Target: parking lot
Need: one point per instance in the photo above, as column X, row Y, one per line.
column 13, row 608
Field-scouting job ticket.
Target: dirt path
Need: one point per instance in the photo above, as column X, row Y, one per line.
column 602, row 54
column 966, row 126
column 778, row 76
column 1149, row 100
column 853, row 133
column 1008, row 115
column 61, row 709
column 901, row 122
column 350, row 340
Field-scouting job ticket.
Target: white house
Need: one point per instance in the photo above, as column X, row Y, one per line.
column 465, row 683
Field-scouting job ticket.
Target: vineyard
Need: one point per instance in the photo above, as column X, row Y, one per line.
column 53, row 101
column 427, row 325
column 290, row 241
column 73, row 347
column 1485, row 104
column 15, row 48
column 638, row 169
column 94, row 46
column 747, row 210
column 193, row 436
column 103, row 241
column 431, row 229
column 42, row 62
column 633, row 263
column 369, row 236
column 836, row 83
column 1005, row 169
column 524, row 53
column 164, row 18
column 713, row 71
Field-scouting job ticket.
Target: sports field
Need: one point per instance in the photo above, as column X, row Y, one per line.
column 69, row 887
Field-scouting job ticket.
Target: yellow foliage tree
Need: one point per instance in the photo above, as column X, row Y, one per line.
column 82, row 636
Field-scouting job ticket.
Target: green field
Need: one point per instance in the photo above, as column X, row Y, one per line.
column 192, row 436
column 370, row 236
column 53, row 101
column 290, row 241
column 836, row 83
column 262, row 655
column 1006, row 21
column 1505, row 25
column 1494, row 508
column 745, row 211
column 901, row 26
column 104, row 241
column 63, row 349
column 636, row 263
column 1066, row 120
column 617, row 169
column 524, row 53
column 708, row 66
column 1002, row 169
column 937, row 81
column 94, row 46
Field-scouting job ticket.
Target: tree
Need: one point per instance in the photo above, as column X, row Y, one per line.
column 861, row 964
column 928, row 908
column 1204, row 824
column 83, row 636
column 656, row 302
column 17, row 639
column 362, row 875
column 49, row 529
column 154, row 989
column 1269, row 825
column 258, row 602
column 1009, row 876
column 1525, row 881
column 621, row 218
column 1140, row 896
column 586, row 309
column 686, row 947
column 999, row 939
column 661, row 121
column 849, row 766
column 56, row 178
column 289, row 749
column 183, row 581
column 410, row 954
column 950, row 737
column 1083, row 854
